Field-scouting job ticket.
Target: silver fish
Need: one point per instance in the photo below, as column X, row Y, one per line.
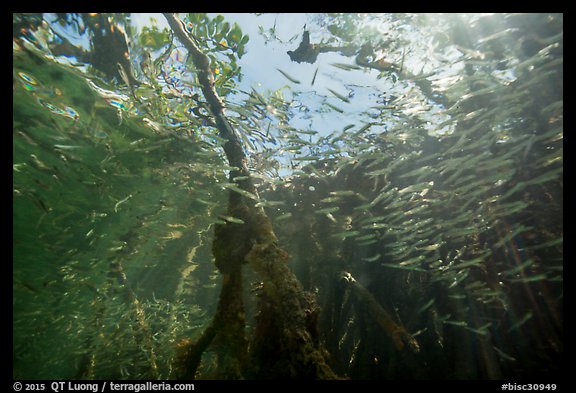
column 287, row 76
column 338, row 95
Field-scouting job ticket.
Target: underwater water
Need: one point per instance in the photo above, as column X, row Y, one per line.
column 410, row 165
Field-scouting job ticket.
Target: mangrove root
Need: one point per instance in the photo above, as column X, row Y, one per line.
column 396, row 332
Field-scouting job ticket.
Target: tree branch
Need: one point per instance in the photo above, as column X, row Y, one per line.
column 232, row 148
column 253, row 242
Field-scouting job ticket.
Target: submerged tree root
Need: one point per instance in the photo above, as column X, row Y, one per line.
column 225, row 334
column 286, row 340
column 401, row 338
column 285, row 344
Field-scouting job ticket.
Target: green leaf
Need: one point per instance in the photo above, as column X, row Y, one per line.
column 225, row 28
column 211, row 26
column 152, row 38
column 235, row 34
column 195, row 18
column 241, row 51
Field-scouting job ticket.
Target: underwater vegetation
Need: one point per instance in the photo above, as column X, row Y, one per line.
column 170, row 222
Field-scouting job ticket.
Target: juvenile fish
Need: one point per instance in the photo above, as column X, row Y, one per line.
column 283, row 217
column 346, row 67
column 334, row 107
column 372, row 259
column 233, row 220
column 340, row 96
column 328, row 210
column 290, row 78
